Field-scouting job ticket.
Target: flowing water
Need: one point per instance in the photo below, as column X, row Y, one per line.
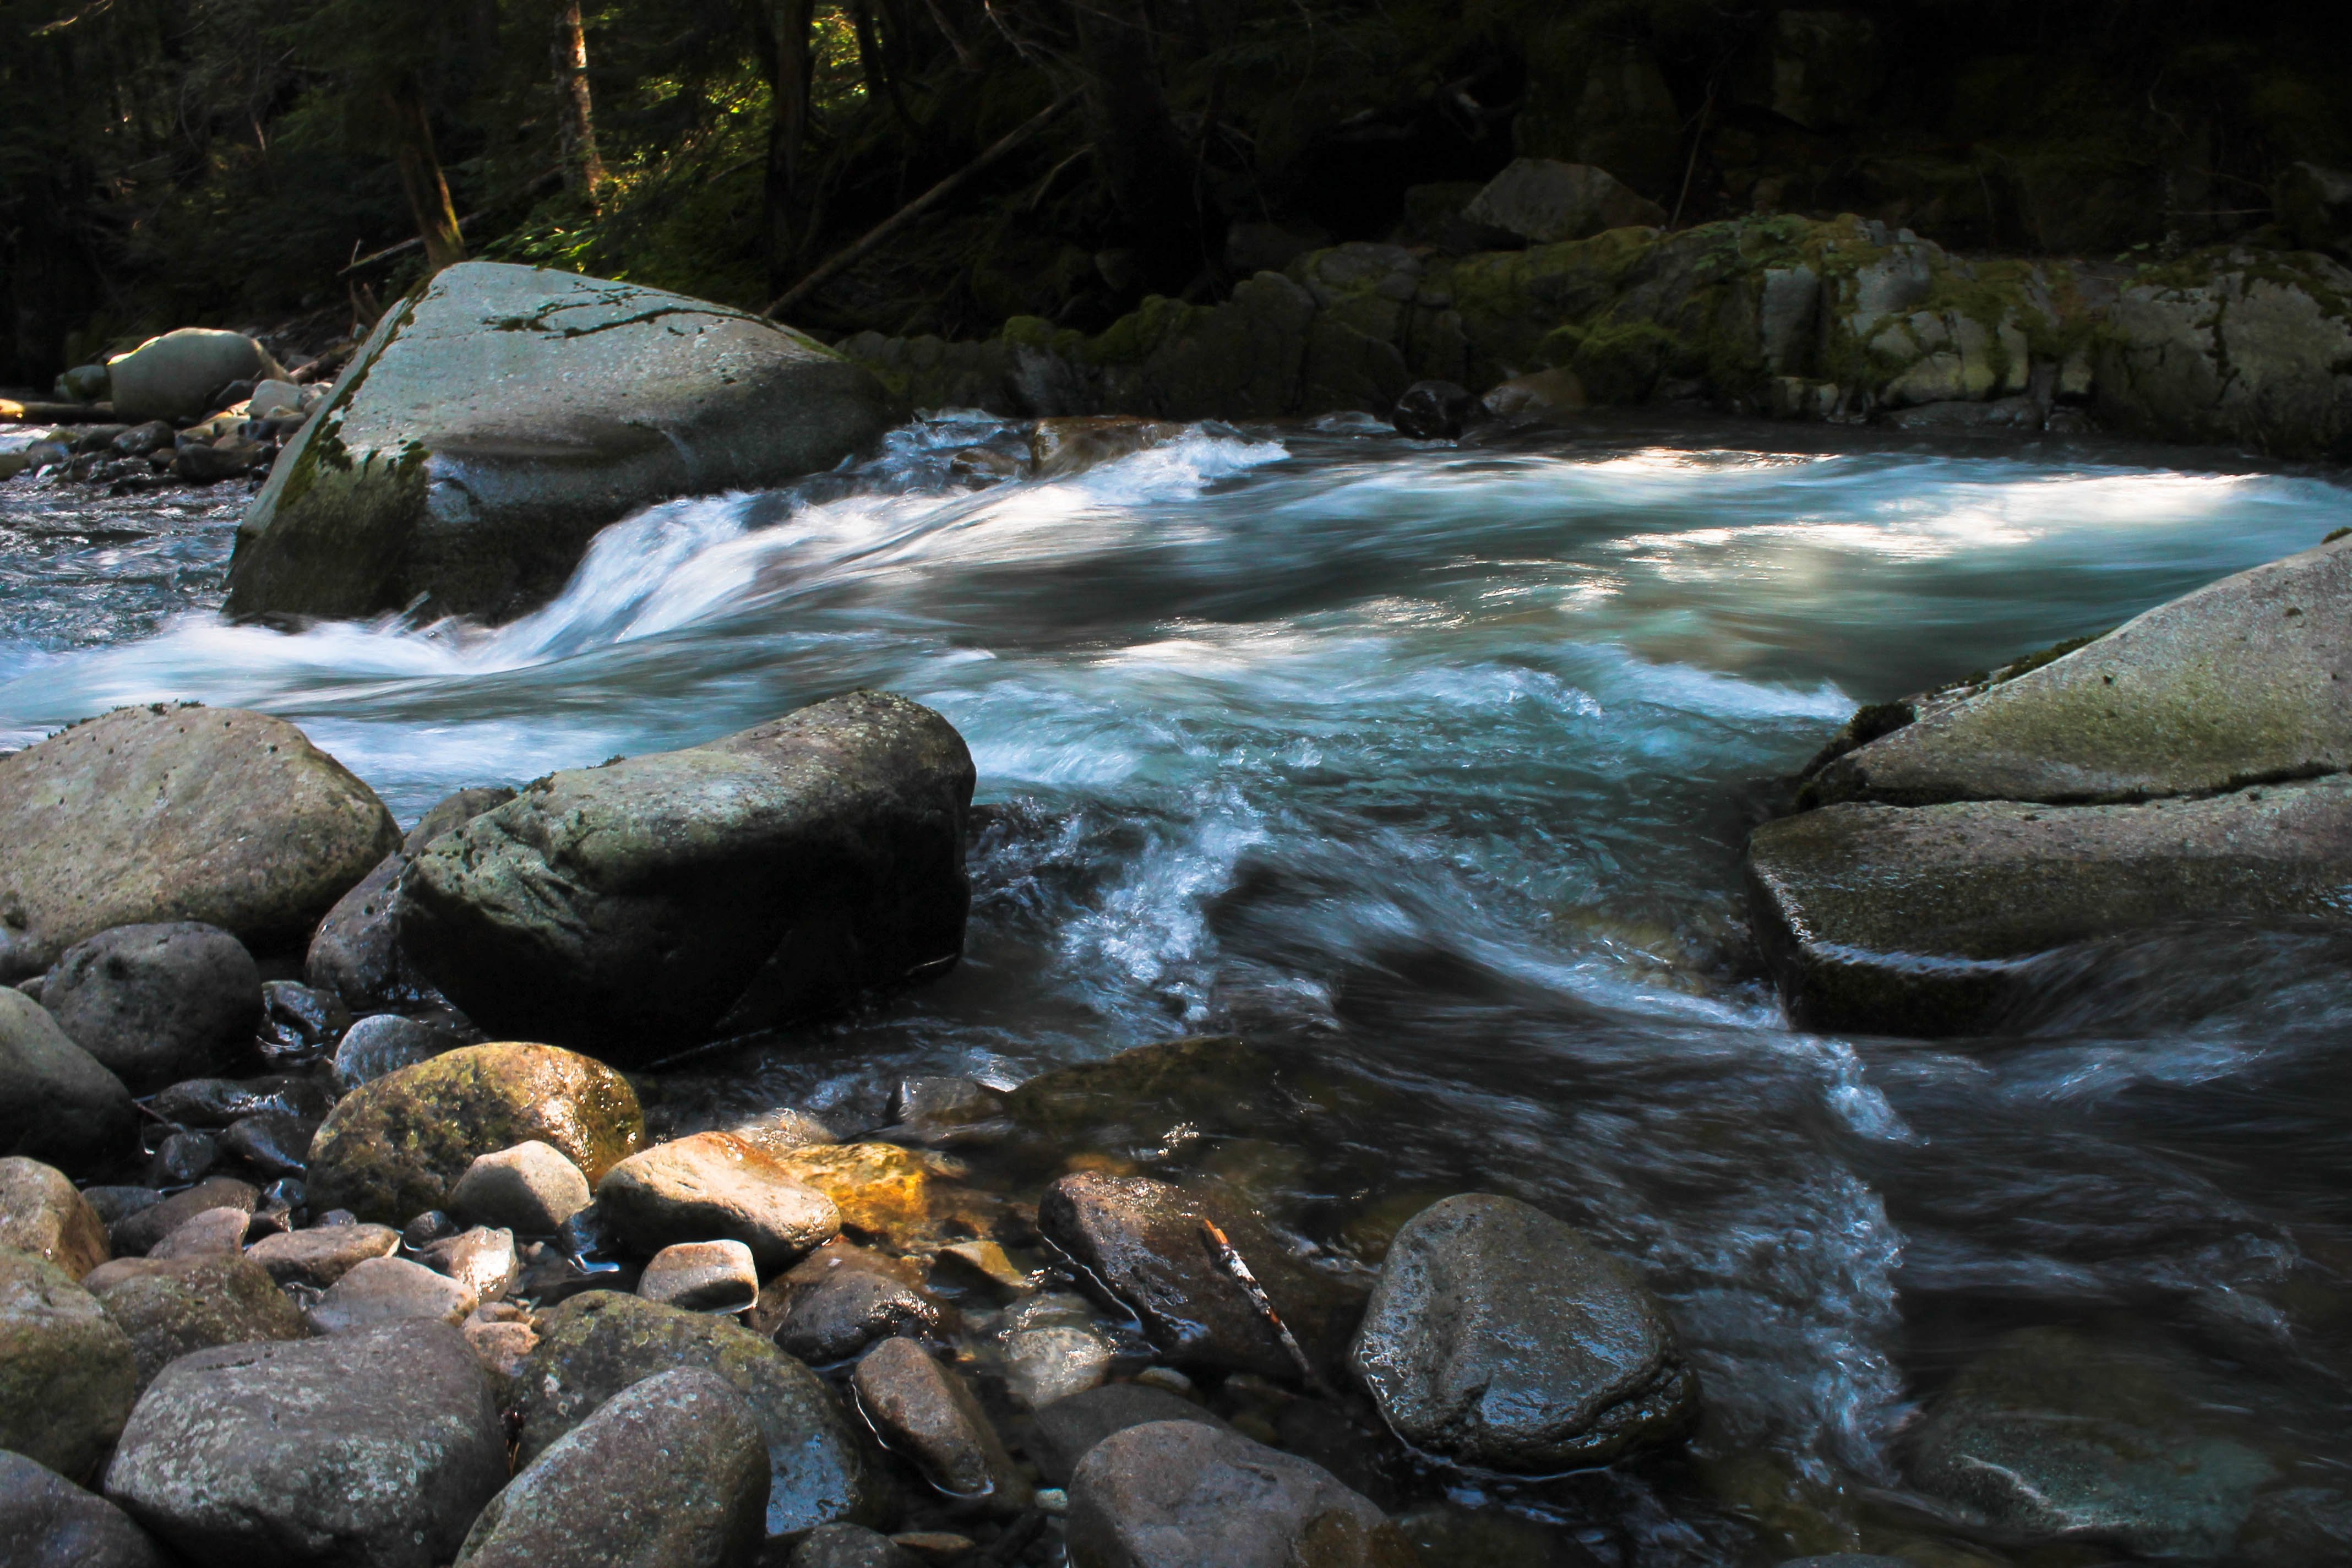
column 1429, row 768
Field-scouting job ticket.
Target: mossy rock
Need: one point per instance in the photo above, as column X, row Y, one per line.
column 396, row 1147
column 68, row 1376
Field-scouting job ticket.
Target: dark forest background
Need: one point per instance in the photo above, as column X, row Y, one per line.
column 235, row 162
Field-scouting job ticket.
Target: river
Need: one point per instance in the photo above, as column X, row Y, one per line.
column 1429, row 767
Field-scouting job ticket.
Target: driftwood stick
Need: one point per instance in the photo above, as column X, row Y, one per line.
column 920, row 204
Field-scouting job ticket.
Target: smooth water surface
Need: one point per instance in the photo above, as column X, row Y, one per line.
column 1431, row 765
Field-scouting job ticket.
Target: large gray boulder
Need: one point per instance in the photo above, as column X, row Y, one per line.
column 1500, row 1337
column 182, row 375
column 663, row 900
column 1912, row 920
column 2246, row 680
column 177, row 813
column 371, row 1450
column 671, row 1473
column 58, row 1102
column 493, row 424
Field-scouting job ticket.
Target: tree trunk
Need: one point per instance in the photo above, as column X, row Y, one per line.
column 781, row 35
column 575, row 121
column 1143, row 160
column 421, row 178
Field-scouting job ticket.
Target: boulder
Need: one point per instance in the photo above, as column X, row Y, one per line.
column 1499, row 1337
column 491, row 425
column 1068, row 1429
column 842, row 1297
column 2247, row 680
column 136, row 1233
column 922, row 1409
column 182, row 376
column 1542, row 200
column 396, row 1147
column 1914, row 920
column 169, row 1307
column 530, row 1189
column 2053, row 1434
column 712, row 1184
column 49, row 1522
column 68, row 1374
column 598, row 1343
column 157, row 1003
column 57, row 1101
column 376, row 1291
column 702, row 1277
column 660, row 901
column 41, row 1213
column 1169, row 1494
column 177, row 813
column 671, row 1473
column 368, row 1451
column 1145, row 1244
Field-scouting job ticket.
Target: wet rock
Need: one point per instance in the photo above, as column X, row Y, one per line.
column 2053, row 1434
column 596, row 1344
column 159, row 1003
column 1543, row 201
column 530, row 1189
column 209, row 814
column 842, row 1297
column 1500, row 1337
column 214, row 1233
column 849, row 1546
column 319, row 1256
column 229, row 457
column 136, row 1233
column 1143, row 1243
column 672, row 1473
column 275, row 1142
column 355, row 955
column 885, row 1192
column 49, row 1522
column 183, row 1159
column 114, row 1202
column 180, row 375
column 171, row 1307
column 1059, row 447
column 482, row 1260
column 397, row 1146
column 713, row 1185
column 376, row 1291
column 1433, row 410
column 783, row 1129
column 1136, row 1098
column 702, row 1277
column 663, row 900
column 58, row 1102
column 2243, row 682
column 137, row 440
column 1911, row 920
column 1051, row 1348
column 401, row 487
column 68, row 1375
column 1170, row 1493
column 386, row 1042
column 368, row 1450
column 218, row 1101
column 42, row 1214
column 1068, row 1429
column 923, row 1410
column 299, row 1022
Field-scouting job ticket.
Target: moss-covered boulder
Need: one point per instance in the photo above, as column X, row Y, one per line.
column 492, row 424
column 66, row 1372
column 595, row 1345
column 396, row 1146
column 178, row 814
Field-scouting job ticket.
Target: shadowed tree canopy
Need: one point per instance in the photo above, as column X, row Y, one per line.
column 173, row 162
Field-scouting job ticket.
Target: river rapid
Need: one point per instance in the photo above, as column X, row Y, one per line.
column 1427, row 769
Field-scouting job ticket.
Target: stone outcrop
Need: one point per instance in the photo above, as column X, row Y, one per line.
column 2186, row 767
column 663, row 900
column 491, row 425
column 177, row 813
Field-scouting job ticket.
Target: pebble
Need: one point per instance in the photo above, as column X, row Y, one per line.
column 41, row 1213
column 714, row 1186
column 530, row 1189
column 382, row 1290
column 481, row 1259
column 183, row 1159
column 783, row 1129
column 842, row 1297
column 923, row 1410
column 323, row 1254
column 702, row 1277
column 215, row 1102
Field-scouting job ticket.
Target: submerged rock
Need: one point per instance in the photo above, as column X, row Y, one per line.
column 1499, row 1337
column 663, row 900
column 49, row 1522
column 1168, row 1494
column 670, row 1473
column 177, row 813
column 493, row 424
column 68, row 1374
column 923, row 1410
column 368, row 1450
column 58, row 1102
column 397, row 1146
column 842, row 1297
column 42, row 1214
column 157, row 1003
column 596, row 1344
column 1068, row 1429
